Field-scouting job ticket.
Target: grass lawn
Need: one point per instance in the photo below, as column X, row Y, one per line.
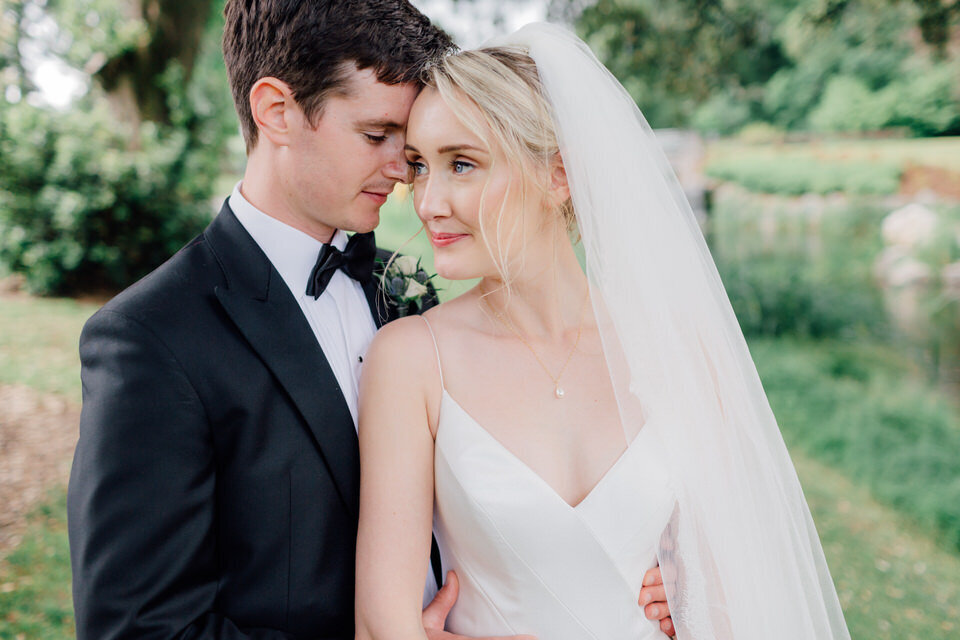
column 936, row 152
column 38, row 343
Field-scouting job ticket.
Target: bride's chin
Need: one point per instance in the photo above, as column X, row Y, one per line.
column 455, row 270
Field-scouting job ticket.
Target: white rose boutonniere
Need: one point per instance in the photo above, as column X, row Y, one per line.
column 404, row 282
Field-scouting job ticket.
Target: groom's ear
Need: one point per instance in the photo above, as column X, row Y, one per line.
column 274, row 109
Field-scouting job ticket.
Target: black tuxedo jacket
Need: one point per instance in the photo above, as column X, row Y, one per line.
column 215, row 485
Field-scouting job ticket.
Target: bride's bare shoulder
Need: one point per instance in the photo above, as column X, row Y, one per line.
column 408, row 342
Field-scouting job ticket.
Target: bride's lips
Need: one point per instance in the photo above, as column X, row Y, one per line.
column 445, row 239
column 379, row 198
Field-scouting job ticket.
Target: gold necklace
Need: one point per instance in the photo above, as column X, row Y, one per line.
column 558, row 391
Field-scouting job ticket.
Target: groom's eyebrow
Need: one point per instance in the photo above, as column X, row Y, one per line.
column 378, row 123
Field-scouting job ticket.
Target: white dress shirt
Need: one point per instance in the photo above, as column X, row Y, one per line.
column 340, row 318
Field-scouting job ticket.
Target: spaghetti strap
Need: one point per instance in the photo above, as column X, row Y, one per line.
column 436, row 348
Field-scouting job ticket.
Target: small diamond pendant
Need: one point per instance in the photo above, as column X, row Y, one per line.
column 557, row 391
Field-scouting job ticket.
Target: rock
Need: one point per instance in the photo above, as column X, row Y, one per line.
column 911, row 226
column 950, row 275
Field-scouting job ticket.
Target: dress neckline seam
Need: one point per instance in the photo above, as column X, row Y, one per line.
column 574, row 508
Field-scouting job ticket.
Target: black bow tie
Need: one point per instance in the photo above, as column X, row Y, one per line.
column 356, row 261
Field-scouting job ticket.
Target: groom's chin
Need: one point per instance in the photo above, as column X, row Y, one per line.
column 364, row 222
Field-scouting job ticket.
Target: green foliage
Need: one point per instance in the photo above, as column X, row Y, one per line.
column 86, row 204
column 798, row 272
column 722, row 113
column 81, row 210
column 774, row 296
column 797, row 176
column 849, row 105
column 799, row 65
column 858, row 407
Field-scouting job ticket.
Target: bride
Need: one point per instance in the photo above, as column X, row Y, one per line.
column 564, row 430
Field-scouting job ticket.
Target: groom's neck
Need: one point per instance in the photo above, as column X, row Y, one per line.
column 266, row 189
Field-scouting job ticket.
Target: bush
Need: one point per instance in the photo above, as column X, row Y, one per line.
column 722, row 113
column 83, row 209
column 848, row 104
column 779, row 296
column 928, row 101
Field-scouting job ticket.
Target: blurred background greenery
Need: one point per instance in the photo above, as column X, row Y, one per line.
column 819, row 135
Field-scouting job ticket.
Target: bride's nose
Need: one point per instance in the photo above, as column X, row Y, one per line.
column 430, row 199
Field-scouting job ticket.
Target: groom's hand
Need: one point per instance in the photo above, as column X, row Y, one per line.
column 435, row 615
column 653, row 599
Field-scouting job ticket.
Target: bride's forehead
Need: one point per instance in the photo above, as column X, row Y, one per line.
column 432, row 118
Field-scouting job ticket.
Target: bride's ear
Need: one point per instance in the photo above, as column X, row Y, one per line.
column 559, row 188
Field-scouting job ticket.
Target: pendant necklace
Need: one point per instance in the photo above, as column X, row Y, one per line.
column 558, row 391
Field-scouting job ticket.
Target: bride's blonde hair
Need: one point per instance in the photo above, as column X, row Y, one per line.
column 503, row 85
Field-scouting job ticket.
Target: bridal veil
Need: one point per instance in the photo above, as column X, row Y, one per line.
column 741, row 557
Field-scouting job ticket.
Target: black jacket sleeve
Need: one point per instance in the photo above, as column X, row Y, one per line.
column 141, row 504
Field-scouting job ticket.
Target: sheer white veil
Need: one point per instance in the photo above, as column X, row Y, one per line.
column 740, row 557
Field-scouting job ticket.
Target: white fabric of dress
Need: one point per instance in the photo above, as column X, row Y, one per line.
column 527, row 561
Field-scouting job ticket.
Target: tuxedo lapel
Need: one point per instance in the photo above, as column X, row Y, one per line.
column 259, row 303
column 380, row 307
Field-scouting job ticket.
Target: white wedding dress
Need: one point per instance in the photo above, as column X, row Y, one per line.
column 530, row 563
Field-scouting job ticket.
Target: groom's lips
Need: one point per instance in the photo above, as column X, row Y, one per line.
column 445, row 239
column 379, row 198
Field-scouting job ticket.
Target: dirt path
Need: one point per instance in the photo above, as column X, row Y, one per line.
column 38, row 433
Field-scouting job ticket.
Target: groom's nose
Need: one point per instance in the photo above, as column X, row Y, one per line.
column 396, row 167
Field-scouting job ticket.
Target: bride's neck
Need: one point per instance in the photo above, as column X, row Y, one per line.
column 545, row 298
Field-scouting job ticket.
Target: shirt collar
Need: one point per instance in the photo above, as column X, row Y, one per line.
column 292, row 252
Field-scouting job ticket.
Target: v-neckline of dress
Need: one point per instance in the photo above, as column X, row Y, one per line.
column 529, row 470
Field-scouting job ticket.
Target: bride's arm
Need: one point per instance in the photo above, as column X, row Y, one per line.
column 396, row 482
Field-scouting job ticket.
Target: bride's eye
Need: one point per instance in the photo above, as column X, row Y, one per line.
column 460, row 167
column 416, row 169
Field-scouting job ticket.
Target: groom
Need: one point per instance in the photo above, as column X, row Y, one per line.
column 215, row 484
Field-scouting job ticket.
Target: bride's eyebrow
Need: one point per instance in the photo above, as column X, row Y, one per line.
column 459, row 147
column 452, row 148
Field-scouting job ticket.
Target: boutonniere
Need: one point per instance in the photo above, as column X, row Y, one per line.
column 404, row 283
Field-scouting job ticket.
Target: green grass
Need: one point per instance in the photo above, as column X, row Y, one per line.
column 864, row 409
column 35, row 601
column 38, row 343
column 934, row 152
column 893, row 582
column 795, row 176
column 859, row 167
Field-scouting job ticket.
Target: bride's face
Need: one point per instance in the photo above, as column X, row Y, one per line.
column 459, row 184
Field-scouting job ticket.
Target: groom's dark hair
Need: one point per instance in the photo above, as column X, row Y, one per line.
column 313, row 44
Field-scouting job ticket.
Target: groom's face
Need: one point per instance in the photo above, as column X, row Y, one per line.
column 344, row 167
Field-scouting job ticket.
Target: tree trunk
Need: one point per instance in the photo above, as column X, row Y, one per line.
column 132, row 78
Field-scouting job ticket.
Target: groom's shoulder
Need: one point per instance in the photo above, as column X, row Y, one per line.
column 174, row 289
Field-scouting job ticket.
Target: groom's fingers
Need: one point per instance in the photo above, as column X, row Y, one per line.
column 652, row 595
column 435, row 615
column 667, row 627
column 652, row 577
